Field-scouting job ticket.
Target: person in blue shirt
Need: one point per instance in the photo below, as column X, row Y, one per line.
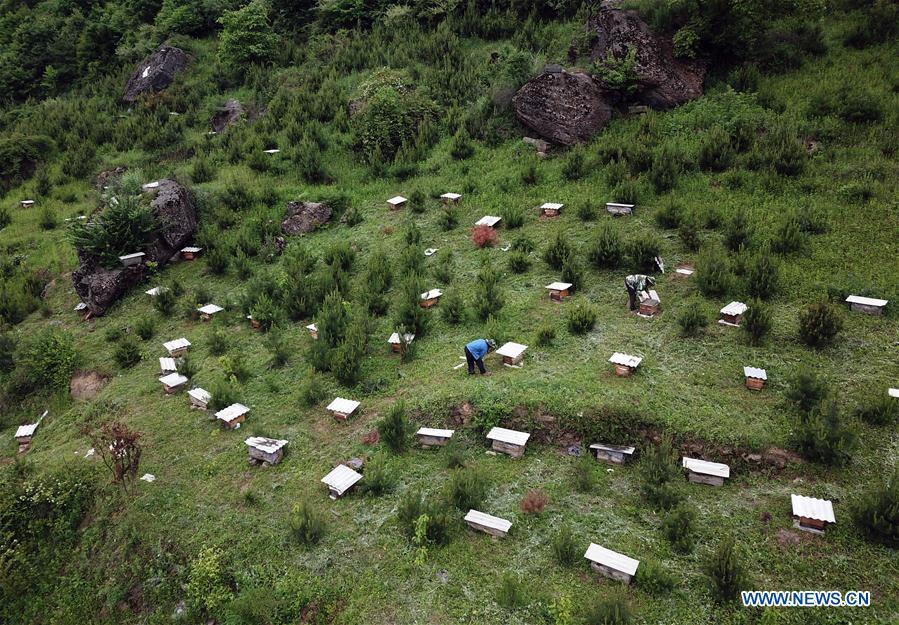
column 475, row 352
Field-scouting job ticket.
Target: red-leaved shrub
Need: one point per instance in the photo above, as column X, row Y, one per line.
column 534, row 502
column 482, row 236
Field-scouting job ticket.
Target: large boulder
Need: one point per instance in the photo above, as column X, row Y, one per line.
column 305, row 216
column 563, row 107
column 99, row 287
column 229, row 114
column 663, row 80
column 156, row 72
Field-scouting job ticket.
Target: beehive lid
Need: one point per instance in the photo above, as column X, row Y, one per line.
column 451, row 196
column 173, row 379
column 343, row 406
column 734, row 308
column 152, row 185
column 341, row 478
column 811, row 508
column 432, row 294
column 210, row 309
column 272, row 151
column 312, row 327
column 625, row 360
column 130, row 256
column 266, row 445
column 29, row 202
column 512, row 437
column 435, row 432
column 487, row 520
column 156, row 290
column 706, row 468
column 80, row 306
column 619, row 205
column 511, row 350
column 200, row 394
column 395, row 338
column 551, row 206
column 396, row 200
column 488, row 220
column 684, row 271
column 191, row 250
column 231, row 412
column 621, row 449
column 176, row 344
column 754, row 372
column 26, row 430
column 866, row 301
column 167, row 364
column 611, row 559
column 893, row 392
column 559, row 286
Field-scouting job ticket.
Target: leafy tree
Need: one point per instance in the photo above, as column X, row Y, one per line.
column 246, row 36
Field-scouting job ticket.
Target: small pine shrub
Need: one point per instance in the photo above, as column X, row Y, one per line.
column 217, row 261
column 127, row 353
column 467, row 489
column 877, row 512
column 605, row 249
column 266, row 313
column 523, row 243
column 513, row 217
column 202, row 170
column 688, row 231
column 235, row 368
column 762, row 275
column 519, row 262
column 642, row 251
column 573, row 271
column 394, row 429
column 511, row 593
column 545, row 336
column 352, row 217
column 726, row 571
column 453, row 455
column 737, row 233
column 312, row 389
column 462, row 146
column 417, row 202
column 806, row 390
column 145, row 328
column 584, row 475
column 565, row 547
column 666, row 168
column 558, row 250
column 530, row 175
column 217, row 342
column 112, row 334
column 819, row 324
column 653, row 578
column 483, row 236
column 379, row 478
column 757, row 322
column 581, row 318
column 679, row 527
column 279, row 348
column 5, row 217
column 488, row 297
column 575, row 166
column 713, row 272
column 224, row 393
column 693, row 319
column 670, row 213
column 448, row 219
column 611, row 610
column 48, row 219
column 823, row 436
column 307, row 524
column 715, row 150
column 444, row 268
column 440, row 519
column 164, row 302
column 658, row 469
column 452, row 308
column 534, row 502
column 789, row 237
column 188, row 367
column 878, row 408
column 585, row 211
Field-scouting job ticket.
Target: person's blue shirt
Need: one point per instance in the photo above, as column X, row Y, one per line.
column 478, row 348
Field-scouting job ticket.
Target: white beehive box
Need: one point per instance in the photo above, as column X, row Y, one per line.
column 172, row 382
column 208, row 310
column 313, row 330
column 267, row 450
column 433, row 437
column 451, row 198
column 625, row 364
column 491, row 221
column 732, row 314
column 616, row 208
column 511, row 442
column 167, row 365
column 430, row 298
column 512, row 353
column 342, row 409
column 615, row 454
column 755, row 378
column 177, row 348
column 199, row 398
column 493, row 525
column 232, row 416
column 132, row 260
column 340, row 480
column 551, row 209
column 812, row 515
column 558, row 290
column 189, row 253
column 612, row 564
column 867, row 305
column 704, row 472
column 395, row 343
column 396, row 202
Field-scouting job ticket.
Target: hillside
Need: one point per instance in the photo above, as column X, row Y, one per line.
column 775, row 179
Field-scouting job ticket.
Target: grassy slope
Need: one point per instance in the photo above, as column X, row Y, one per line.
column 694, row 386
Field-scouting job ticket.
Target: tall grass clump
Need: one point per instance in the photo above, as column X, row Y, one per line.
column 394, row 429
column 726, row 571
column 306, row 523
column 819, row 324
column 565, row 547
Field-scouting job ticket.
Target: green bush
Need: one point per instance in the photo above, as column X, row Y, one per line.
column 379, row 477
column 462, row 147
column 224, row 393
column 545, row 335
column 519, row 262
column 573, row 271
column 670, row 214
column 217, row 260
column 658, row 469
column 217, row 342
column 440, row 519
column 448, row 218
column 126, row 226
column 395, row 429
column 585, row 211
column 565, row 547
column 651, row 577
column 488, row 297
column 763, row 275
column 688, row 230
column 715, row 150
column 48, row 219
column 605, row 249
column 806, row 390
column 581, row 318
column 188, row 367
column 781, row 149
column 306, row 523
column 5, row 217
column 737, row 234
column 312, row 388
column 583, row 474
column 877, row 512
column 452, row 308
column 246, row 37
column 679, row 527
column 819, row 324
column 823, row 436
column 235, row 367
column 207, row 586
column 511, row 593
column 789, row 237
column 693, row 319
column 666, row 167
column 611, row 610
column 127, row 353
column 513, row 217
column 642, row 251
column 713, row 272
column 878, row 408
column 575, row 166
column 145, row 328
column 279, row 348
column 757, row 322
column 726, row 571
column 467, row 489
column 558, row 250
column 49, row 359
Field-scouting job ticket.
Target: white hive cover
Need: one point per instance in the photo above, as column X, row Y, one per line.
column 433, row 293
column 152, row 185
column 811, row 508
column 451, row 196
column 511, row 350
column 493, row 522
column 173, row 379
column 706, row 468
column 344, row 406
column 210, row 309
column 612, row 559
column 231, row 412
column 435, row 432
column 625, row 360
column 754, row 372
column 893, row 392
column 684, row 271
column 80, row 306
column 200, row 394
column 26, row 430
column 558, row 286
column 191, row 250
column 267, row 445
column 395, row 338
column 156, row 290
column 551, row 206
column 398, row 199
column 312, row 327
column 622, row 449
column 488, row 220
column 130, row 256
column 176, row 344
column 167, row 365
column 341, row 478
column 512, row 437
column 867, row 301
column 272, row 151
column 734, row 308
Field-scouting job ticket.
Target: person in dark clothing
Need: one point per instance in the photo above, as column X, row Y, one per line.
column 475, row 352
column 635, row 284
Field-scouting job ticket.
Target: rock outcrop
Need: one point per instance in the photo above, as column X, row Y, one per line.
column 305, row 216
column 231, row 113
column 156, row 72
column 99, row 287
column 563, row 107
column 663, row 80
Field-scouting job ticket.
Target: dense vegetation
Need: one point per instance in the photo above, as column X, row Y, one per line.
column 778, row 185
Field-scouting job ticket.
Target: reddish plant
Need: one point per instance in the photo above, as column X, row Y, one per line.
column 483, row 236
column 120, row 450
column 371, row 438
column 388, row 230
column 534, row 502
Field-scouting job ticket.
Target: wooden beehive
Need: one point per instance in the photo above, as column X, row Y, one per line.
column 613, row 454
column 625, row 364
column 199, row 398
column 509, row 442
column 450, row 198
column 732, row 314
column 24, row 434
column 396, row 202
column 190, row 253
column 253, row 322
column 867, row 305
column 342, row 408
column 232, row 416
column 265, row 450
column 340, row 480
column 492, row 525
column 430, row 298
column 612, row 564
column 394, row 341
column 650, row 303
column 313, row 330
column 755, row 378
column 177, row 348
column 27, row 203
column 207, row 311
column 558, row 290
column 702, row 472
column 512, row 353
column 617, row 209
column 551, row 209
column 812, row 515
column 132, row 260
column 172, row 383
column 433, row 437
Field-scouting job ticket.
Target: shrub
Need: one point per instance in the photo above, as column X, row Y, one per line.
column 346, row 360
column 642, row 251
column 164, row 302
column 488, row 298
column 806, row 390
column 452, row 308
column 737, row 234
column 713, row 272
column 557, row 252
column 417, row 203
column 49, row 359
column 605, row 250
column 246, row 37
column 573, row 271
column 789, row 237
column 523, row 243
column 565, row 547
column 312, row 389
column 439, row 518
column 669, row 215
column 511, row 593
column 217, row 341
column 145, row 328
column 715, row 150
column 574, row 166
column 483, row 236
column 822, row 436
column 534, row 502
column 653, row 578
column 202, row 170
column 519, row 262
column 545, row 336
column 394, row 429
column 235, row 368
column 781, row 149
column 217, row 261
column 585, row 211
column 207, row 588
column 409, row 314
column 878, row 408
column 611, row 610
column 5, row 217
column 877, row 512
column 279, row 348
column 757, row 322
column 224, row 393
column 693, row 318
column 678, row 526
column 467, row 489
column 584, row 474
column 379, row 478
column 726, row 571
column 581, row 318
column 307, row 524
column 762, row 275
column 666, row 167
column 513, row 217
column 127, row 353
column 48, row 219
column 462, row 146
column 819, row 324
column 126, row 226
column 530, row 175
column 453, row 456
column 448, row 219
column 688, row 231
column 187, row 366
column 658, row 468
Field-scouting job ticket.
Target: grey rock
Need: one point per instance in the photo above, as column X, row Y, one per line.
column 305, row 217
column 156, row 72
column 231, row 113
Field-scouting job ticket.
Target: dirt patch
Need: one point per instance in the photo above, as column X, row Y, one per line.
column 86, row 384
column 790, row 538
column 461, row 414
